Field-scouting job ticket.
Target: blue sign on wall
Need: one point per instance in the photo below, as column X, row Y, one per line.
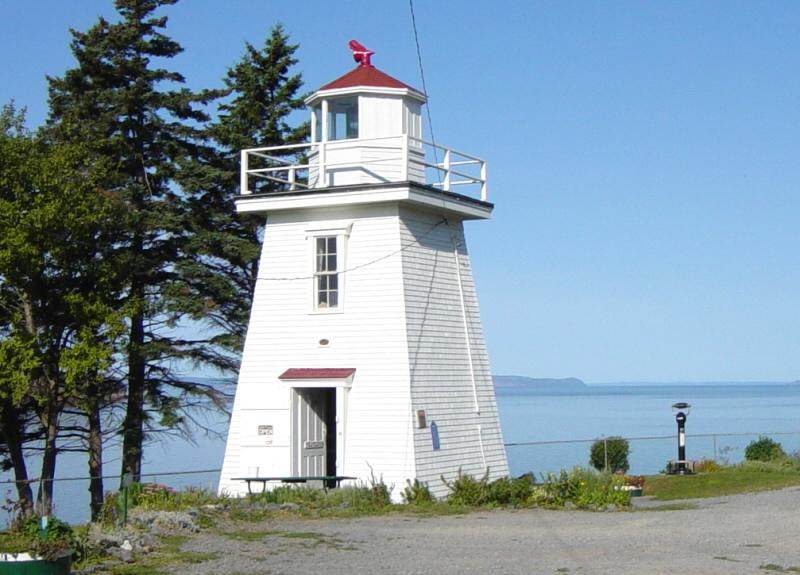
column 435, row 435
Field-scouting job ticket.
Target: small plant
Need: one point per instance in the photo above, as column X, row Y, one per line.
column 610, row 454
column 764, row 449
column 50, row 539
column 636, row 481
column 468, row 491
column 417, row 493
column 707, row 466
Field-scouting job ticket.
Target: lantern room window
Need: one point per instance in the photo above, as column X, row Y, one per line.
column 343, row 118
column 317, row 124
column 326, row 273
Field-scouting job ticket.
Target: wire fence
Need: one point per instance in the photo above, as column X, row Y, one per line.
column 649, row 453
column 721, row 447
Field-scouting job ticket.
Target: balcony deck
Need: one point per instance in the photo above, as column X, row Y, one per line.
column 336, row 164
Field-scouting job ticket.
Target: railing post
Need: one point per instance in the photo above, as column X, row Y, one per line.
column 292, row 179
column 404, row 158
column 243, row 175
column 446, row 165
column 484, row 191
column 322, row 176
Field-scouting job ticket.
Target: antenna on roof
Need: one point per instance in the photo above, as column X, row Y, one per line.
column 361, row 54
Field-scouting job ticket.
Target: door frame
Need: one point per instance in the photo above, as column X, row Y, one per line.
column 342, row 389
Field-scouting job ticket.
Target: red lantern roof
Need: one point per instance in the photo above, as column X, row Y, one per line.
column 367, row 76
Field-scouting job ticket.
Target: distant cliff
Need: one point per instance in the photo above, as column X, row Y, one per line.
column 532, row 384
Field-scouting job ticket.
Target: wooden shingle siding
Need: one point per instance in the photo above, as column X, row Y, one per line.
column 438, row 356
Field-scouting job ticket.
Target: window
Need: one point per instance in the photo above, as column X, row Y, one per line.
column 317, row 123
column 326, row 272
column 343, row 118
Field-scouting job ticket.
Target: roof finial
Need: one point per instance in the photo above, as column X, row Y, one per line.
column 361, row 54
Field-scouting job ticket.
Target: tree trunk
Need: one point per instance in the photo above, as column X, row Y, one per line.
column 12, row 432
column 95, row 462
column 45, row 494
column 133, row 426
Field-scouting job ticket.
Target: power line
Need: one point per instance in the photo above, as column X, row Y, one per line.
column 403, row 248
column 422, row 76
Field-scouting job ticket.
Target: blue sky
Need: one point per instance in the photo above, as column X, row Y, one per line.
column 643, row 158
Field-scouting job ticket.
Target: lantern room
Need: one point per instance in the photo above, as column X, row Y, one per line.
column 366, row 121
column 366, row 129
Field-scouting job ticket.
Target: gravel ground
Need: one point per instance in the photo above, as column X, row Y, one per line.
column 752, row 533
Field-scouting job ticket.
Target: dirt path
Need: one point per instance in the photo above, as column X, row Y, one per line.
column 752, row 533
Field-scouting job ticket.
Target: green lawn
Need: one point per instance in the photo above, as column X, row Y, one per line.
column 727, row 481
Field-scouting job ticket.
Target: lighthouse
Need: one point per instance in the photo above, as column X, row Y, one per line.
column 364, row 355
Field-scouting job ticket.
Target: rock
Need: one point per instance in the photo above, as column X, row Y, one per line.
column 126, row 545
column 569, row 505
column 125, row 555
column 611, row 507
column 289, row 506
column 165, row 522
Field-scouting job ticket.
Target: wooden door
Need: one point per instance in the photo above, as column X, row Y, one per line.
column 311, row 429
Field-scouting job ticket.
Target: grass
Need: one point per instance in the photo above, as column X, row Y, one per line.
column 669, row 507
column 743, row 478
column 169, row 554
column 774, row 568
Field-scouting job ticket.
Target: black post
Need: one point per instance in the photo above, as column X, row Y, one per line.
column 680, row 417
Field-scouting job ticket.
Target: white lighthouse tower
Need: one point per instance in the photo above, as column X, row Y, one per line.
column 364, row 354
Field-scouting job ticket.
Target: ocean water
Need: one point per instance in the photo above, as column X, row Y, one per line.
column 645, row 411
column 599, row 410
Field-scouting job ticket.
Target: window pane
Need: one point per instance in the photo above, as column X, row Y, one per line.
column 332, row 245
column 343, row 118
column 333, row 299
column 333, row 281
column 318, row 123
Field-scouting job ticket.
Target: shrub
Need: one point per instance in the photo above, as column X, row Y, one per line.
column 466, row 490
column 516, row 492
column 155, row 497
column 764, row 449
column 583, row 488
column 616, row 449
column 52, row 542
column 417, row 493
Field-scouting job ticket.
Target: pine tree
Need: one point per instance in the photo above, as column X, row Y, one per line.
column 262, row 93
column 139, row 123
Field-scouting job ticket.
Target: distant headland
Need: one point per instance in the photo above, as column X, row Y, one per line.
column 567, row 384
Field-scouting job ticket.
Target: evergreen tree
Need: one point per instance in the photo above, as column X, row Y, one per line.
column 139, row 122
column 262, row 93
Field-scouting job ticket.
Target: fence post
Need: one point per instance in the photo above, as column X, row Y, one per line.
column 605, row 453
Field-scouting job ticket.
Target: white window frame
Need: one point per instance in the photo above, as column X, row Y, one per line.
column 341, row 233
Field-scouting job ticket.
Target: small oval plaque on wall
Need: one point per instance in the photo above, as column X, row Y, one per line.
column 324, row 342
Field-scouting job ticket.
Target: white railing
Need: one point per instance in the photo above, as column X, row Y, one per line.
column 375, row 160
